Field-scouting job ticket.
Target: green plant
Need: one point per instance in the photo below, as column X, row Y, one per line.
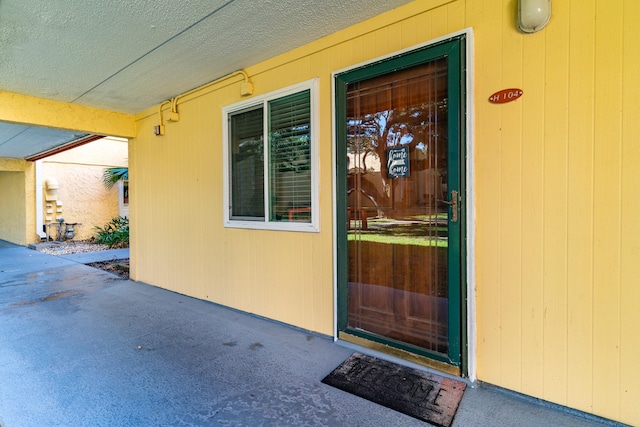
column 111, row 176
column 115, row 233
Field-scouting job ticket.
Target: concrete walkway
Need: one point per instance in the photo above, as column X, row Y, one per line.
column 90, row 257
column 80, row 347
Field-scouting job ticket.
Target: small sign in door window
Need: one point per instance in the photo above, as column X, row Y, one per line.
column 398, row 162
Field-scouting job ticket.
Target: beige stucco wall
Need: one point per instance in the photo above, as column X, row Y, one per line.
column 84, row 198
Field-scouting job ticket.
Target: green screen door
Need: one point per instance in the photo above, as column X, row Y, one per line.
column 400, row 202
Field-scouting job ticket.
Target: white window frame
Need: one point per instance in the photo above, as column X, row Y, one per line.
column 123, row 208
column 266, row 224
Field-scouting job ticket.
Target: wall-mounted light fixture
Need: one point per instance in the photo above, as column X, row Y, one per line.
column 533, row 15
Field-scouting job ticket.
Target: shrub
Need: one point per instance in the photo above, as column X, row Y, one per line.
column 115, row 233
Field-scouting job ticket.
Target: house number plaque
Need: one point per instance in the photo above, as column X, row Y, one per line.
column 505, row 95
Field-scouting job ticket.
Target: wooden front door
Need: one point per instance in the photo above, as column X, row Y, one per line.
column 400, row 201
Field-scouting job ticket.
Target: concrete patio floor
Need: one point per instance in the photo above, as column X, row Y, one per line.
column 81, row 347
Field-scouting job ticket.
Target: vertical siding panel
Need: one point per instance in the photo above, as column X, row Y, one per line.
column 323, row 248
column 283, row 78
column 160, row 204
column 439, row 21
column 133, row 211
column 309, row 281
column 321, row 312
column 299, row 275
column 381, row 43
column 272, row 272
column 288, row 249
column 394, row 34
column 237, row 258
column 209, row 215
column 487, row 154
column 251, row 250
column 343, row 54
column 423, row 27
column 256, row 290
column 177, row 231
column 179, row 186
column 300, row 70
column 510, row 202
column 280, row 252
column 309, row 68
column 630, row 267
column 159, row 213
column 367, row 48
column 580, row 204
column 408, row 32
column 144, row 201
column 555, row 207
column 533, row 83
column 456, row 17
column 608, row 91
column 192, row 221
column 188, row 226
column 356, row 47
column 226, row 238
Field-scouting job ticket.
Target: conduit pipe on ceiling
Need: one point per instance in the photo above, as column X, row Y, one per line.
column 246, row 89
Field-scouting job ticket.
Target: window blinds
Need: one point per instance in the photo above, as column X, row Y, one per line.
column 290, row 157
column 287, row 158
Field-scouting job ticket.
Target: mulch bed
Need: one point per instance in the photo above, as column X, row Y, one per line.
column 119, row 267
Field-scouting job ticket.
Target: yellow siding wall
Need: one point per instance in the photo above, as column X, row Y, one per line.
column 557, row 232
column 17, row 199
column 83, row 195
column 12, row 213
column 556, row 174
column 177, row 188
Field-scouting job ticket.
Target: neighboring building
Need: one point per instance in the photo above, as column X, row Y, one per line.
column 82, row 196
column 66, row 185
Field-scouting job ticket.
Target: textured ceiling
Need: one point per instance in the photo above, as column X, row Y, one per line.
column 126, row 55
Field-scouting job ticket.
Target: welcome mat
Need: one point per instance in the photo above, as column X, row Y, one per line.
column 422, row 395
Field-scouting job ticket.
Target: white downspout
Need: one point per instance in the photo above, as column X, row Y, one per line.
column 39, row 213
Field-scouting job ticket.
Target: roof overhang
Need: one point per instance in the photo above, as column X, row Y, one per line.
column 72, row 69
column 30, row 127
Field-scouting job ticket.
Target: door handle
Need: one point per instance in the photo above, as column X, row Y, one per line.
column 454, row 205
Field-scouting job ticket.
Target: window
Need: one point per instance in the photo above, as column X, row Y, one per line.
column 270, row 173
column 123, row 198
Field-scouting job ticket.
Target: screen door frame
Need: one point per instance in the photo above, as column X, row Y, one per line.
column 454, row 48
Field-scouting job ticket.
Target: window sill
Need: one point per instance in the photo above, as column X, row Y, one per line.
column 306, row 227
